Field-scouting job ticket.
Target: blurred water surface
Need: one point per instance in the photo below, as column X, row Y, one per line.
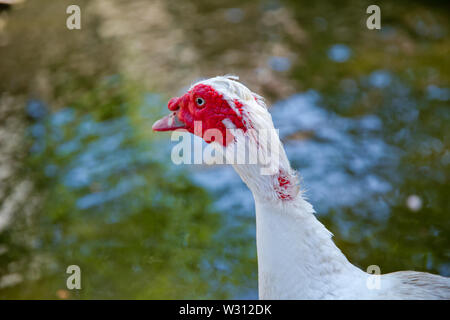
column 363, row 115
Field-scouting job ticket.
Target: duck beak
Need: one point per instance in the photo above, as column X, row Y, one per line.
column 169, row 123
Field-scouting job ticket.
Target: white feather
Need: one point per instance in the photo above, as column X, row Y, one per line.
column 297, row 258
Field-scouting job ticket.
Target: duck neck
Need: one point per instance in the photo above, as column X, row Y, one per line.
column 297, row 258
column 270, row 177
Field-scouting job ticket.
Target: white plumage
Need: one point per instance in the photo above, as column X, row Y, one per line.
column 297, row 258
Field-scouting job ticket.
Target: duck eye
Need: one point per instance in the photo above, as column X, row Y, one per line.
column 200, row 101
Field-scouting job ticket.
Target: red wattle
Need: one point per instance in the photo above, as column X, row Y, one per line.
column 211, row 114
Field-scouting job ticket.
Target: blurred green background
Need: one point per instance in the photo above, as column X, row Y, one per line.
column 83, row 180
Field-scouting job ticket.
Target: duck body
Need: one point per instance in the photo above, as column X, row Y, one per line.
column 297, row 259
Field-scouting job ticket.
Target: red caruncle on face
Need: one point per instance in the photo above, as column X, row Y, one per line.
column 204, row 107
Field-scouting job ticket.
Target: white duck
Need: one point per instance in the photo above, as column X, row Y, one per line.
column 297, row 259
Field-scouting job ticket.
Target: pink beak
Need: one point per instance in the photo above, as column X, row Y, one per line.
column 169, row 123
